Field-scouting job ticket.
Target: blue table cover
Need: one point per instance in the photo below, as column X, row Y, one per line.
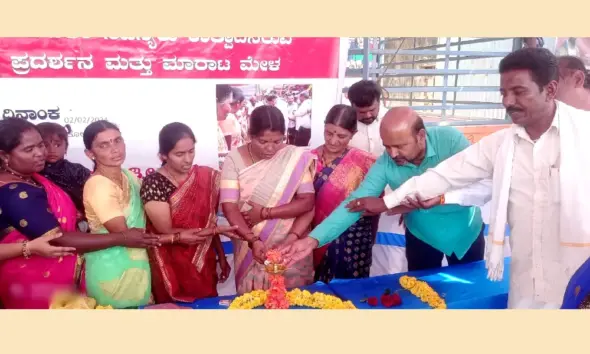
column 462, row 286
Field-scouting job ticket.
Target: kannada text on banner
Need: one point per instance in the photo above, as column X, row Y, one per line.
column 170, row 57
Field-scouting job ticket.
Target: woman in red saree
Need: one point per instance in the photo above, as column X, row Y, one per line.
column 33, row 208
column 339, row 172
column 181, row 196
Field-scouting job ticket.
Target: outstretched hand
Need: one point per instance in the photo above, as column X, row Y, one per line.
column 368, row 206
column 41, row 247
column 421, row 203
column 298, row 250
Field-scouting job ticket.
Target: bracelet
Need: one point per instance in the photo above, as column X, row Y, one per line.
column 265, row 213
column 442, row 199
column 252, row 241
column 295, row 233
column 26, row 250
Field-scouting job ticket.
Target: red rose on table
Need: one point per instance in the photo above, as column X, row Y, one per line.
column 372, row 301
column 391, row 300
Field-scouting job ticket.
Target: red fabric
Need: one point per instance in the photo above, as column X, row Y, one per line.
column 175, row 276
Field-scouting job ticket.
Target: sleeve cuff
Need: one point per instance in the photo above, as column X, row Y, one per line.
column 453, row 197
column 320, row 241
column 391, row 200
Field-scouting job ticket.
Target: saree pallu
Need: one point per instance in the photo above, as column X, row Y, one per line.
column 271, row 183
column 31, row 283
column 120, row 276
column 188, row 273
column 577, row 293
column 350, row 255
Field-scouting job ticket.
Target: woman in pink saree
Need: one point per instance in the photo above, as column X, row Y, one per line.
column 32, row 207
column 267, row 192
column 340, row 170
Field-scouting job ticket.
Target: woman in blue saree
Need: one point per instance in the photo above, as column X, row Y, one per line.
column 577, row 293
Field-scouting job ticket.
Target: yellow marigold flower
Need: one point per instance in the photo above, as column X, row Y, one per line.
column 423, row 291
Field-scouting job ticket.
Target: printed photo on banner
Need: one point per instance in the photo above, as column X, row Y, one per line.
column 236, row 103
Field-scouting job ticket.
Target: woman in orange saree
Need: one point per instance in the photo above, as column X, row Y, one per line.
column 340, row 171
column 267, row 192
column 181, row 196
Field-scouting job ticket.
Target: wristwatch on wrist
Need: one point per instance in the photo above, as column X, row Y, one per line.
column 252, row 241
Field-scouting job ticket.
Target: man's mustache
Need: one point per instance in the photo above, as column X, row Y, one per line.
column 513, row 109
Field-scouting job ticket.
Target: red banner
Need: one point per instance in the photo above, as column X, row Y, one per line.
column 170, row 57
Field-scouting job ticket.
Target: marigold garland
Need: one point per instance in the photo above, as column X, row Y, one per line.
column 296, row 297
column 423, row 291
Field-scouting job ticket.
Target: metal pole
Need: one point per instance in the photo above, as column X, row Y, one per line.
column 366, row 52
column 445, row 81
column 412, row 78
column 456, row 76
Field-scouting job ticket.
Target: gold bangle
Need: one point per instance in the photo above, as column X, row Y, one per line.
column 26, row 250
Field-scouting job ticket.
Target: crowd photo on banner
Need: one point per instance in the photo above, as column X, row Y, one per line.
column 235, row 104
column 305, row 199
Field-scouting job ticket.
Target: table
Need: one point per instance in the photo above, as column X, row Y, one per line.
column 463, row 287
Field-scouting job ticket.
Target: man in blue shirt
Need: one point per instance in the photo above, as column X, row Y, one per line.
column 439, row 227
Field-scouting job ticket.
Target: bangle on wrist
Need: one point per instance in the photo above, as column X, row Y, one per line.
column 295, row 233
column 442, row 199
column 175, row 238
column 252, row 241
column 26, row 250
column 265, row 214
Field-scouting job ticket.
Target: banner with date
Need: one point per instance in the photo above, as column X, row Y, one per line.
column 157, row 57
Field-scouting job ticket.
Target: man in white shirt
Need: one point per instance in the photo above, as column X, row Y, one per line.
column 273, row 100
column 365, row 98
column 303, row 120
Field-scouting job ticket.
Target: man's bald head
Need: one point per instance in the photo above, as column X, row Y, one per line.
column 400, row 119
column 404, row 135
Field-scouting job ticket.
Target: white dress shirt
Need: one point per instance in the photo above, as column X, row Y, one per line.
column 368, row 138
column 304, row 121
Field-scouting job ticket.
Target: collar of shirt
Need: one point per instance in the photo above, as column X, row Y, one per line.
column 520, row 132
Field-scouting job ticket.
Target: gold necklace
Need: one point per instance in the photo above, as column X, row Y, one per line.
column 29, row 180
column 171, row 175
column 251, row 156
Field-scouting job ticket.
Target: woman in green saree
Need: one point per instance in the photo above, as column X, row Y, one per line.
column 117, row 276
